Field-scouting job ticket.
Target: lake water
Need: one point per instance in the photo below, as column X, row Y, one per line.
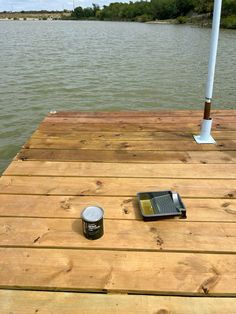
column 90, row 65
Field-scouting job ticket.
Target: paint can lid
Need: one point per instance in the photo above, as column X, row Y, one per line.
column 92, row 213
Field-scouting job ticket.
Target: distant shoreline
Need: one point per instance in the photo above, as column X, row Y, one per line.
column 203, row 20
column 34, row 16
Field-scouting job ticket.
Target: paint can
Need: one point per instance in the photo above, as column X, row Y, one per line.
column 92, row 222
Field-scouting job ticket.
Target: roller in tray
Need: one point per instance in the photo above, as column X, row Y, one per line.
column 162, row 204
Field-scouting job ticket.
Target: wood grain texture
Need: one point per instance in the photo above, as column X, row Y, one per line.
column 115, row 207
column 119, row 127
column 126, row 136
column 219, row 188
column 164, row 157
column 136, row 120
column 16, row 301
column 146, row 113
column 138, row 272
column 152, row 236
column 187, row 145
column 86, row 169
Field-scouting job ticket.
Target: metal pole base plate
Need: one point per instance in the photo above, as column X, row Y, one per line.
column 208, row 140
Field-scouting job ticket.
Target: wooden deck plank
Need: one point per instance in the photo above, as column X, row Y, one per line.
column 162, row 236
column 115, row 207
column 16, row 301
column 146, row 113
column 86, row 169
column 55, row 143
column 164, row 157
column 137, row 272
column 186, row 127
column 126, row 136
column 213, row 188
column 134, row 119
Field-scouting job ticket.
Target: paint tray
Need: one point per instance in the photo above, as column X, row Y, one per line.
column 163, row 204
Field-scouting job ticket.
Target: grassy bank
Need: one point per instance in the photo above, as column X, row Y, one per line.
column 229, row 22
column 226, row 22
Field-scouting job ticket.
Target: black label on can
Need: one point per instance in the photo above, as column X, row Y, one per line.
column 93, row 230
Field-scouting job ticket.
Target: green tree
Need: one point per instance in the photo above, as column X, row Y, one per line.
column 164, row 9
column 184, row 6
column 96, row 8
column 78, row 13
column 88, row 13
column 228, row 7
column 203, row 6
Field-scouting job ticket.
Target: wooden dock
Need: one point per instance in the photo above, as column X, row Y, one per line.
column 75, row 159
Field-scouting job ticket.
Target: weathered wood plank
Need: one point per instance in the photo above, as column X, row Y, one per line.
column 163, row 157
column 146, row 113
column 137, row 120
column 86, row 169
column 17, row 301
column 138, row 272
column 187, row 127
column 106, row 135
column 126, row 136
column 186, row 145
column 115, row 207
column 71, row 207
column 163, row 235
column 115, row 186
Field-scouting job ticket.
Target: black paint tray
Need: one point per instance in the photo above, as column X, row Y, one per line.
column 163, row 204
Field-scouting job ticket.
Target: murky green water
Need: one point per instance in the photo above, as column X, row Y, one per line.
column 103, row 65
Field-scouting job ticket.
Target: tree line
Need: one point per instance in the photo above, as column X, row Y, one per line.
column 143, row 11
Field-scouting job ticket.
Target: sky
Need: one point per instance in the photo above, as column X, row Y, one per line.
column 27, row 5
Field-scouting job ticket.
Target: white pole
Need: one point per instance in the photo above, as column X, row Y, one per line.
column 213, row 49
column 205, row 134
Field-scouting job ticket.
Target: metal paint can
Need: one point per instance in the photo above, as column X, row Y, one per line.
column 92, row 222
